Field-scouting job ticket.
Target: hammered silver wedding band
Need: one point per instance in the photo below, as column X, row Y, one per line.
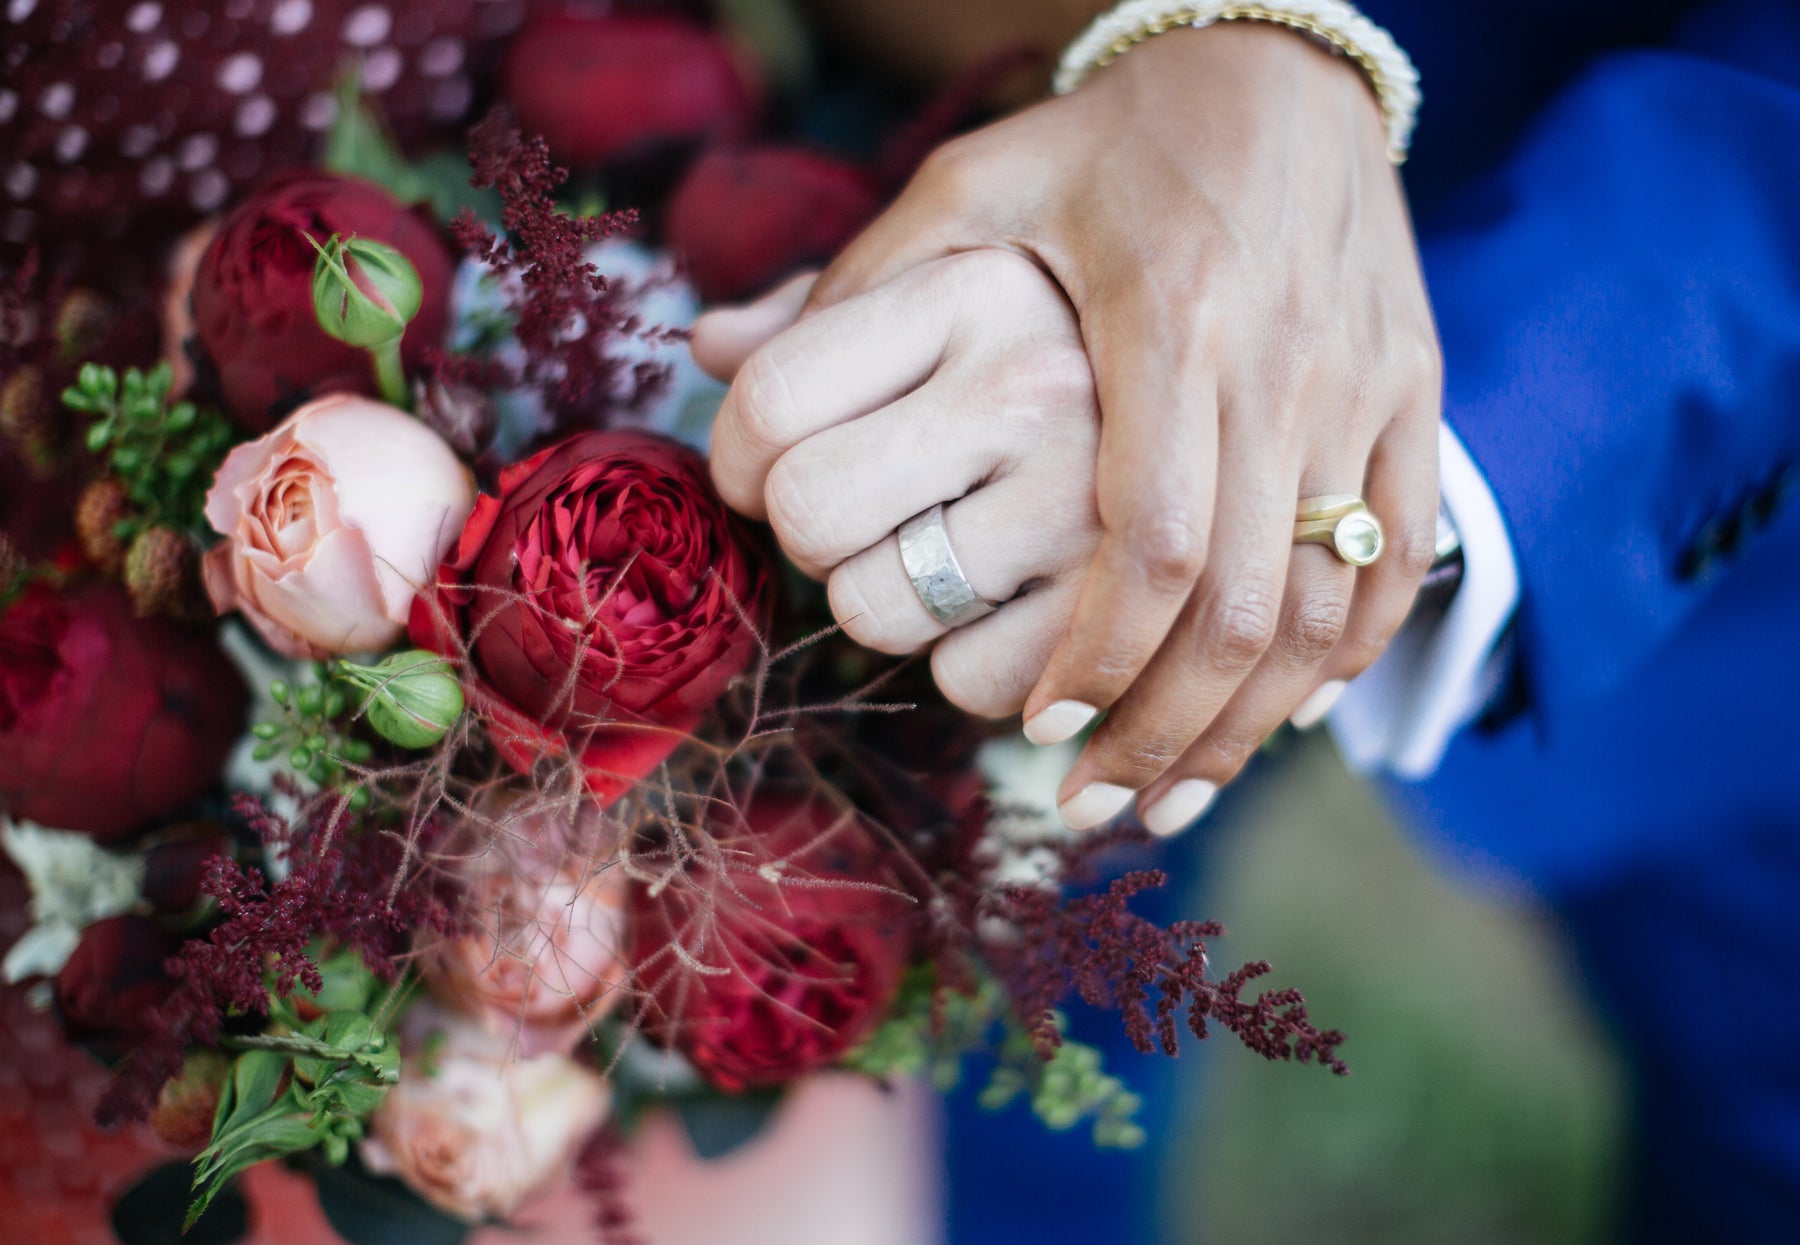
column 935, row 573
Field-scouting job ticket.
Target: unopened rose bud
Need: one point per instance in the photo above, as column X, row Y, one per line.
column 184, row 1110
column 99, row 514
column 82, row 323
column 414, row 697
column 162, row 574
column 364, row 293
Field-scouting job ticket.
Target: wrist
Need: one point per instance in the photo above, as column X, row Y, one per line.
column 1253, row 76
column 1287, row 43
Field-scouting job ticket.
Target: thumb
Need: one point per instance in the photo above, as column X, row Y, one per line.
column 724, row 338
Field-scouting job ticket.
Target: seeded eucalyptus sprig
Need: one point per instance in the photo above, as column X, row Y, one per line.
column 313, row 734
column 163, row 453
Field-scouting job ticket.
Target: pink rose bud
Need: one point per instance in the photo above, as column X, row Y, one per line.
column 332, row 523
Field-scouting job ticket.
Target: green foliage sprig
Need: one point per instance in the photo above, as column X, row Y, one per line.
column 931, row 1032
column 303, row 1085
column 165, row 454
column 314, row 734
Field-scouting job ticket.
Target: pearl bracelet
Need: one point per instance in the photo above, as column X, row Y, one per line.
column 1389, row 70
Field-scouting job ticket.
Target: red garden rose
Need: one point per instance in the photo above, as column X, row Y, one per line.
column 740, row 219
column 253, row 299
column 108, row 722
column 114, row 981
column 598, row 86
column 601, row 600
column 811, row 963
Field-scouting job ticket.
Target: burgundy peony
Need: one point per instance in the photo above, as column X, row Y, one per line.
column 599, row 86
column 741, row 219
column 601, row 602
column 812, row 963
column 108, row 991
column 253, row 299
column 108, row 722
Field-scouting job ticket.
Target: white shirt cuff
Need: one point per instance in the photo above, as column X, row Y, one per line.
column 1442, row 669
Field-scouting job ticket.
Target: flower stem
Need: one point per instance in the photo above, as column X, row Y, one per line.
column 390, row 374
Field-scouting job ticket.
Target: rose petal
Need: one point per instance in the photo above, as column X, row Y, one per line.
column 397, row 482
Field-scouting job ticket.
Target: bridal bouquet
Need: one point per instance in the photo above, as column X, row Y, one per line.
column 418, row 769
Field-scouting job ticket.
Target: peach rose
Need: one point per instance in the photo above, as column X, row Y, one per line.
column 543, row 963
column 332, row 521
column 474, row 1131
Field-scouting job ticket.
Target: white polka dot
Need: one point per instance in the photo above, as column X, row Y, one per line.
column 157, row 176
column 56, row 101
column 9, row 104
column 450, row 99
column 240, row 72
column 160, row 60
column 381, row 69
column 19, row 10
column 290, row 16
column 138, row 141
column 209, row 190
column 143, row 17
column 21, row 180
column 109, row 55
column 441, row 57
column 255, row 115
column 318, row 112
column 367, row 26
column 197, row 151
column 71, row 143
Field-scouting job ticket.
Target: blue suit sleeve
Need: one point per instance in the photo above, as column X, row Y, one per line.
column 1620, row 312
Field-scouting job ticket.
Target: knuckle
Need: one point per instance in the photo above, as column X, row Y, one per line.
column 948, row 172
column 1046, row 381
column 1411, row 548
column 1312, row 626
column 1240, row 624
column 793, row 515
column 1230, row 750
column 764, row 402
column 1168, row 541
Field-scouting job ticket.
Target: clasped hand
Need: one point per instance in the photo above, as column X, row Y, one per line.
column 1121, row 333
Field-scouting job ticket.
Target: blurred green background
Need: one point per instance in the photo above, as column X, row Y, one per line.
column 1485, row 1104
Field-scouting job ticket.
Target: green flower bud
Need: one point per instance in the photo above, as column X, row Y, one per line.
column 364, row 292
column 414, row 697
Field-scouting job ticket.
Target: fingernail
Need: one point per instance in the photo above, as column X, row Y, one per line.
column 1062, row 720
column 1316, row 706
column 1178, row 807
column 1095, row 803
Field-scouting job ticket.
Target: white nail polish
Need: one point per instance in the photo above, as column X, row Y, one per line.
column 1313, row 709
column 1178, row 807
column 1094, row 804
column 1062, row 720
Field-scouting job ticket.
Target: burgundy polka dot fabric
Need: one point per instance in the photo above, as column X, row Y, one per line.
column 123, row 116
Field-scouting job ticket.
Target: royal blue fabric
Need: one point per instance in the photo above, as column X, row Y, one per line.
column 1608, row 202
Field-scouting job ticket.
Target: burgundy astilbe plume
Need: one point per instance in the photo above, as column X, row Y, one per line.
column 347, row 882
column 565, row 312
column 1095, row 947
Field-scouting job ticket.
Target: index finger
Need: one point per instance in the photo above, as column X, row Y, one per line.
column 1156, row 486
